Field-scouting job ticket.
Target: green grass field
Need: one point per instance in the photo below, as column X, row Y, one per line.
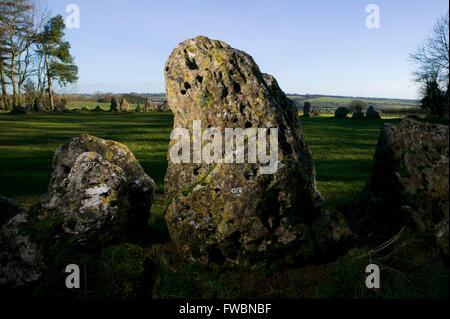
column 342, row 148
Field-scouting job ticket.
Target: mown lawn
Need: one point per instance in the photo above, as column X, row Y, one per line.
column 342, row 148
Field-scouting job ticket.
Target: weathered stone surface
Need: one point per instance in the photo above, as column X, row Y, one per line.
column 125, row 106
column 372, row 114
column 20, row 259
column 229, row 214
column 341, row 112
column 92, row 199
column 410, row 175
column 8, row 209
column 78, row 187
column 114, row 105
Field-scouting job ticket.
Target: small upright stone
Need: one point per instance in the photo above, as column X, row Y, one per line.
column 114, row 105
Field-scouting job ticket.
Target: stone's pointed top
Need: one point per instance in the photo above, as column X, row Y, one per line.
column 205, row 42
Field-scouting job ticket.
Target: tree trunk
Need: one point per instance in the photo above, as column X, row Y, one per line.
column 49, row 83
column 3, row 82
column 13, row 81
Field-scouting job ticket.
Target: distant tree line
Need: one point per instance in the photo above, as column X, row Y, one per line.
column 33, row 54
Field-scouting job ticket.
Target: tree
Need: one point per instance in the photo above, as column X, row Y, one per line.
column 432, row 62
column 59, row 64
column 20, row 21
column 17, row 28
column 356, row 106
column 432, row 57
column 3, row 58
column 435, row 100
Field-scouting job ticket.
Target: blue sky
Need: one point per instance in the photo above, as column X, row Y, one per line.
column 315, row 47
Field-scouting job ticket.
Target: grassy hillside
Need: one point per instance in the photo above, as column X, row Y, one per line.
column 332, row 102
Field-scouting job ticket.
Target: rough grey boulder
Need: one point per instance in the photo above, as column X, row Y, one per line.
column 72, row 177
column 228, row 213
column 409, row 183
column 372, row 114
column 92, row 200
column 21, row 261
column 341, row 112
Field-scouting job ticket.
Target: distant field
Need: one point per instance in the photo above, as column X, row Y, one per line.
column 331, row 103
column 106, row 106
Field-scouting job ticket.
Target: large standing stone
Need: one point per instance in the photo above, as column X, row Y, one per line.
column 231, row 213
column 78, row 188
column 410, row 177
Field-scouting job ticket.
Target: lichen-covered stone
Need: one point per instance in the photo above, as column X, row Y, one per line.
column 138, row 189
column 125, row 106
column 230, row 214
column 93, row 199
column 410, row 175
column 21, row 261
